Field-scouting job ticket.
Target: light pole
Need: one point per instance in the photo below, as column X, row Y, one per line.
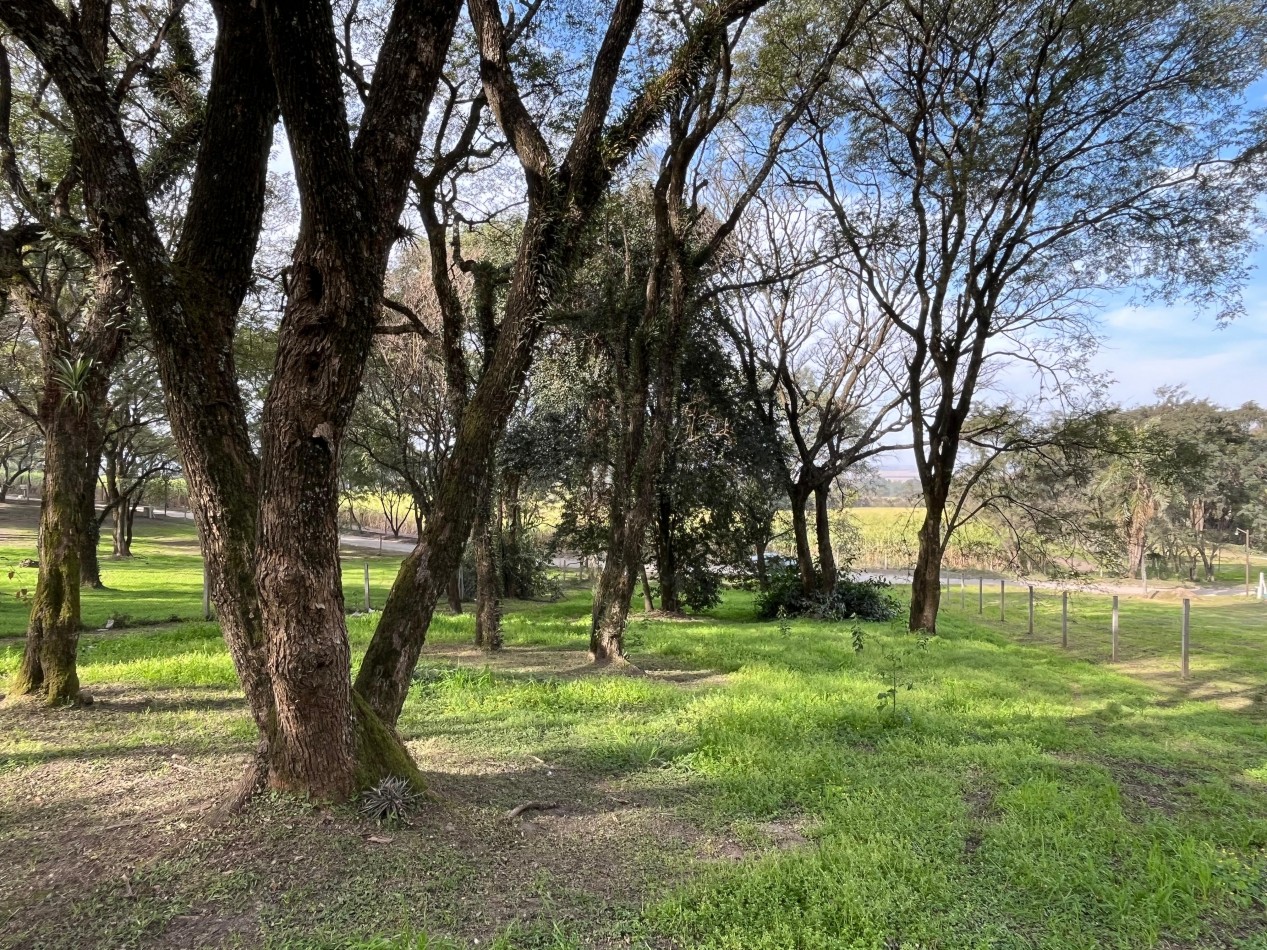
column 1245, row 531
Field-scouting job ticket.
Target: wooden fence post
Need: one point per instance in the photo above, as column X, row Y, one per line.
column 367, row 587
column 1115, row 625
column 1064, row 619
column 1031, row 610
column 963, row 593
column 1002, row 600
column 1187, row 617
column 980, row 595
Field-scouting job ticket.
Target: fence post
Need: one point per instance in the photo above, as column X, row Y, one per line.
column 963, row 593
column 1064, row 619
column 1031, row 610
column 367, row 586
column 1002, row 600
column 1187, row 616
column 1115, row 628
column 980, row 595
column 206, row 594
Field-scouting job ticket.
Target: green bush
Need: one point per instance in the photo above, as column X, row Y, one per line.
column 850, row 599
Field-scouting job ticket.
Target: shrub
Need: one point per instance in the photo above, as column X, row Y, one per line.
column 852, row 598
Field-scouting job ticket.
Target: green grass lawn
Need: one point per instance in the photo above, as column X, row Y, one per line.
column 746, row 793
column 162, row 582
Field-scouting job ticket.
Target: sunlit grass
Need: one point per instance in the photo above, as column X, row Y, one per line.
column 1021, row 796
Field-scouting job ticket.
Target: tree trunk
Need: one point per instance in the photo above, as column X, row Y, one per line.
column 666, row 557
column 763, row 578
column 611, row 609
column 89, row 560
column 926, row 580
column 648, row 605
column 798, row 495
column 822, row 528
column 52, row 638
column 511, row 540
column 129, row 522
column 454, row 591
column 121, row 547
column 488, row 628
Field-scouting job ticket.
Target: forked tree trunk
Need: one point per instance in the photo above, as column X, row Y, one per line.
column 121, row 530
column 798, row 495
column 48, row 666
column 488, row 628
column 822, row 529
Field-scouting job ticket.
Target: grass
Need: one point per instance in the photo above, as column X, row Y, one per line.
column 161, row 583
column 747, row 793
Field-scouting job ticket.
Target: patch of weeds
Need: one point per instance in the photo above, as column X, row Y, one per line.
column 392, row 798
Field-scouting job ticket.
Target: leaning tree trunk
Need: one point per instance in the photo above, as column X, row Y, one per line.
column 822, row 529
column 926, row 580
column 648, row 605
column 52, row 638
column 488, row 628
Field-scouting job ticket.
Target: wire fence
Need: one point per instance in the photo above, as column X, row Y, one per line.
column 1217, row 641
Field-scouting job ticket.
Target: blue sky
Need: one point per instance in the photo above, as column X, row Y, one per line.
column 1152, row 346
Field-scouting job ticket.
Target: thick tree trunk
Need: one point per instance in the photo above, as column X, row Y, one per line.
column 666, row 557
column 453, row 591
column 48, row 666
column 763, row 578
column 611, row 609
column 822, row 530
column 798, row 495
column 488, row 629
column 926, row 580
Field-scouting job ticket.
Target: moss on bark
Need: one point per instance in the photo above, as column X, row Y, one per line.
column 380, row 751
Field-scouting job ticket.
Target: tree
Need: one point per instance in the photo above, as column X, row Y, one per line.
column 64, row 281
column 562, row 197
column 822, row 370
column 989, row 165
column 268, row 525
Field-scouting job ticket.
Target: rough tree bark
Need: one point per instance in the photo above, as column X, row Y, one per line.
column 48, row 668
column 316, row 736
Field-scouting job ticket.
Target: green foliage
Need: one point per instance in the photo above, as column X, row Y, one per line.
column 72, row 378
column 897, row 665
column 867, row 599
